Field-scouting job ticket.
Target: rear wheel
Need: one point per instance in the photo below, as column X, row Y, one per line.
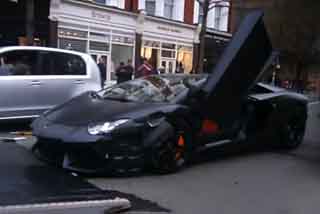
column 291, row 133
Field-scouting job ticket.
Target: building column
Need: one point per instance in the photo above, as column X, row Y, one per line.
column 53, row 33
column 195, row 56
column 138, row 41
column 30, row 21
column 138, row 46
column 196, row 49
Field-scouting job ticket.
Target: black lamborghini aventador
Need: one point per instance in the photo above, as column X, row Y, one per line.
column 160, row 121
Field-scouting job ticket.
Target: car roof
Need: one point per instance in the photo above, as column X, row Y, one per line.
column 59, row 50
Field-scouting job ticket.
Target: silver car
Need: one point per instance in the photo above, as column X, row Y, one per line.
column 34, row 79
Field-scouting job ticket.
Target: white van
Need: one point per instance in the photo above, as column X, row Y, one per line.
column 34, row 79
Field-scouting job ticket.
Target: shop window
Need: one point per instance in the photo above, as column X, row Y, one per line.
column 168, row 54
column 120, row 53
column 99, row 36
column 168, row 8
column 168, row 46
column 98, row 46
column 122, row 39
column 73, row 44
column 151, row 7
column 64, row 32
column 153, row 44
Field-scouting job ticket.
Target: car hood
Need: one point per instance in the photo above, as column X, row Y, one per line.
column 86, row 109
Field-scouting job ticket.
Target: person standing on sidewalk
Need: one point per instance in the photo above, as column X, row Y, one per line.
column 103, row 70
column 129, row 71
column 144, row 69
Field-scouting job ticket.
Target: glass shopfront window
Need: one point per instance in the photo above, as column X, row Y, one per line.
column 184, row 58
column 114, row 46
column 168, row 57
column 72, row 39
column 73, row 44
column 120, row 53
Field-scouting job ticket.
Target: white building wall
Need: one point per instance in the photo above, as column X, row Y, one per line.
column 196, row 12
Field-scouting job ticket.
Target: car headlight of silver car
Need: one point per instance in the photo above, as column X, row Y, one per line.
column 104, row 128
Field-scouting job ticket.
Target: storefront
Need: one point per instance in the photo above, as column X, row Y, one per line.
column 110, row 34
column 107, row 34
column 168, row 46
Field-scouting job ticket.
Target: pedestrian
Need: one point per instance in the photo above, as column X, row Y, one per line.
column 129, row 70
column 103, row 70
column 121, row 73
column 144, row 69
column 180, row 68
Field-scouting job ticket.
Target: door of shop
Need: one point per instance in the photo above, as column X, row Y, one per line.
column 103, row 58
column 168, row 66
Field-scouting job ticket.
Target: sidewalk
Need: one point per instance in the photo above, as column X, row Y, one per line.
column 26, row 185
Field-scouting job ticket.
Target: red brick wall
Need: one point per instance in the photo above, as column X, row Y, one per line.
column 131, row 5
column 188, row 11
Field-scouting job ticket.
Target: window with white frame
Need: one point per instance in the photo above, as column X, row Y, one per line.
column 115, row 3
column 100, row 1
column 168, row 8
column 150, row 7
column 217, row 17
column 200, row 19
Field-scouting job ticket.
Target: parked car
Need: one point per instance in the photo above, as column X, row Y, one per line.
column 35, row 79
column 160, row 121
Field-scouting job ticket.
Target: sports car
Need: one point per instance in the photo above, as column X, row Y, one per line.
column 160, row 121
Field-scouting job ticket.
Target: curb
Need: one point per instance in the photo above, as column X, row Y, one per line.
column 111, row 206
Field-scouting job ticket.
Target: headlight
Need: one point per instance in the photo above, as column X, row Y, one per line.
column 104, row 128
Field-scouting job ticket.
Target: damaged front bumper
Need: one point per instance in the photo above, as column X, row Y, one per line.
column 120, row 156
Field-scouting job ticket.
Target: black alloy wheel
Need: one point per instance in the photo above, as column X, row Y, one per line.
column 292, row 133
column 172, row 154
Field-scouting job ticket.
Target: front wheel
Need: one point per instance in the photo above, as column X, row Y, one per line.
column 172, row 154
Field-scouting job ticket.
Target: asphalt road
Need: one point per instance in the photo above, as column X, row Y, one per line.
column 250, row 181
column 256, row 181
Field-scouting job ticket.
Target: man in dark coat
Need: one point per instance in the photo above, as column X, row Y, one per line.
column 103, row 70
column 124, row 72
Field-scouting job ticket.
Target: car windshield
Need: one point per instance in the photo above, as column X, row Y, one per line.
column 150, row 89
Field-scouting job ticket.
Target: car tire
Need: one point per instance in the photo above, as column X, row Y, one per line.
column 291, row 134
column 173, row 153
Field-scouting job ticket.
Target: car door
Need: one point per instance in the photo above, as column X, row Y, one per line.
column 17, row 84
column 64, row 75
column 237, row 70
